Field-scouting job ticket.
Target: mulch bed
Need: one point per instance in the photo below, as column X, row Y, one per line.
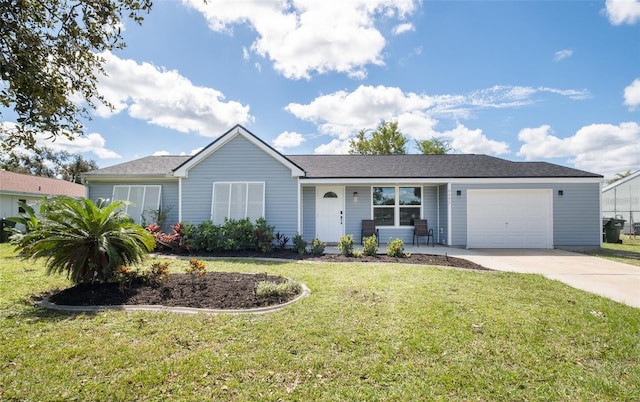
column 224, row 290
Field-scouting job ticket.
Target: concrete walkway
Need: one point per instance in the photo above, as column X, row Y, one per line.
column 614, row 280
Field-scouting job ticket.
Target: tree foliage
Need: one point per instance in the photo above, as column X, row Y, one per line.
column 87, row 241
column 51, row 61
column 384, row 140
column 620, row 176
column 46, row 162
column 434, row 146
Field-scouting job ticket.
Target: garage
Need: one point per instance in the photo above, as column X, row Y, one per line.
column 509, row 218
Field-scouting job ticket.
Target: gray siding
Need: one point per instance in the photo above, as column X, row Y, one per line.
column 168, row 198
column 355, row 212
column 442, row 225
column 576, row 214
column 240, row 160
column 308, row 213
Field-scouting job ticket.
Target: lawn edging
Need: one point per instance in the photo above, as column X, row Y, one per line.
column 45, row 303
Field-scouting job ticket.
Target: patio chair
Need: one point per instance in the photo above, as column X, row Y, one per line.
column 369, row 229
column 421, row 229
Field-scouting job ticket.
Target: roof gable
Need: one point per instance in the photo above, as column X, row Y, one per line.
column 18, row 183
column 183, row 169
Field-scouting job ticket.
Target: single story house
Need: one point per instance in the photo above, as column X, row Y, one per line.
column 31, row 189
column 473, row 201
column 621, row 199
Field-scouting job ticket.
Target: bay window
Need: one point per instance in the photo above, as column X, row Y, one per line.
column 396, row 206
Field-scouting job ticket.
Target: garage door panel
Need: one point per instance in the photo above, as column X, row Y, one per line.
column 509, row 219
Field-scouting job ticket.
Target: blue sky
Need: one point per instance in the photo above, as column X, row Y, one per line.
column 557, row 81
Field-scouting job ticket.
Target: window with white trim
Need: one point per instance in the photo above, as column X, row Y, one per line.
column 142, row 201
column 396, row 206
column 237, row 200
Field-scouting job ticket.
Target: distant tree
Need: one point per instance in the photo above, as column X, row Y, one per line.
column 73, row 170
column 46, row 162
column 51, row 58
column 620, row 176
column 384, row 140
column 434, row 146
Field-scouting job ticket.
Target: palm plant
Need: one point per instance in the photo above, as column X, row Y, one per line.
column 87, row 241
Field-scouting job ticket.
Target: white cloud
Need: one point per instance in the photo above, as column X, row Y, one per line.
column 166, row 98
column 161, row 153
column 287, row 140
column 467, row 141
column 341, row 114
column 302, row 37
column 89, row 143
column 336, row 146
column 599, row 148
column 632, row 94
column 623, row 11
column 562, row 54
column 402, row 28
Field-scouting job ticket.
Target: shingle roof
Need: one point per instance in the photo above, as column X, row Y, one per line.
column 376, row 166
column 428, row 166
column 18, row 183
column 148, row 166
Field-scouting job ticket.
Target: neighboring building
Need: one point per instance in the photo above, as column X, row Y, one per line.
column 16, row 187
column 474, row 201
column 621, row 199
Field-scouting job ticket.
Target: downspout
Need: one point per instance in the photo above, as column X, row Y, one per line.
column 438, row 212
column 449, row 217
column 179, row 199
column 300, row 206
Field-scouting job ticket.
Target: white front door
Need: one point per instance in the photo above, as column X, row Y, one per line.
column 329, row 213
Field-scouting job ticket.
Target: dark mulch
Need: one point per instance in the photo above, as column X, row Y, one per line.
column 216, row 290
column 224, row 290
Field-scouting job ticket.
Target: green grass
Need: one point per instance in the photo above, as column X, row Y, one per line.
column 367, row 332
column 627, row 252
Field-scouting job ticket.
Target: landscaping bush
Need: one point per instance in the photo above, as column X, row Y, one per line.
column 395, row 248
column 370, row 246
column 345, row 245
column 299, row 244
column 87, row 241
column 317, row 246
column 281, row 290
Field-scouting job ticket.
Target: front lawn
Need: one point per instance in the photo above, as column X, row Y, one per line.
column 367, row 332
column 628, row 251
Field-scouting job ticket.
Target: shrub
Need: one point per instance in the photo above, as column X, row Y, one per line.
column 196, row 267
column 263, row 240
column 317, row 246
column 207, row 237
column 370, row 245
column 87, row 241
column 395, row 248
column 124, row 276
column 299, row 245
column 357, row 253
column 345, row 245
column 280, row 290
column 157, row 274
column 281, row 240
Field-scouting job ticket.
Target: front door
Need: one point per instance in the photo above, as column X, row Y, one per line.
column 329, row 213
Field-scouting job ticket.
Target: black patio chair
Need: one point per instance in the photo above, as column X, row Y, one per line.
column 421, row 229
column 369, row 229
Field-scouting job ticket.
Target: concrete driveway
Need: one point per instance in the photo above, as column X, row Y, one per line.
column 615, row 280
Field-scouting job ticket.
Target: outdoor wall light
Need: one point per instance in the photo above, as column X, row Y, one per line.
column 458, row 193
column 355, row 196
column 560, row 193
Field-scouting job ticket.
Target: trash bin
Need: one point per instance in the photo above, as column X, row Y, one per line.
column 4, row 234
column 612, row 228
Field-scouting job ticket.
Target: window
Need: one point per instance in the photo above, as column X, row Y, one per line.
column 237, row 200
column 141, row 201
column 20, row 209
column 396, row 206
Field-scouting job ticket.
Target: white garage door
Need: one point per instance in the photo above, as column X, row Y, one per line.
column 509, row 219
